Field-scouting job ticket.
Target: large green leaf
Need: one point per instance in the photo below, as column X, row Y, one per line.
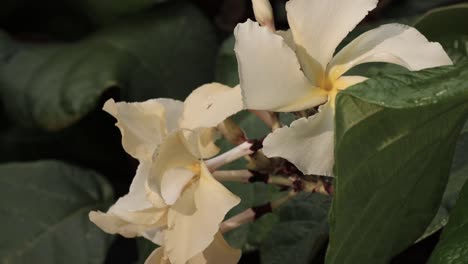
column 301, row 231
column 164, row 53
column 226, row 64
column 394, row 141
column 458, row 176
column 453, row 244
column 44, row 213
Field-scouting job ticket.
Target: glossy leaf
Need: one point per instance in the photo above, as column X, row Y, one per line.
column 394, row 142
column 453, row 244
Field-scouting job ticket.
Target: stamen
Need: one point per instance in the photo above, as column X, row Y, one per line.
column 230, row 156
column 233, row 175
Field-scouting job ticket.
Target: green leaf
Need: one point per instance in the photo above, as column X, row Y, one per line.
column 458, row 177
column 301, row 231
column 394, row 141
column 44, row 213
column 164, row 53
column 440, row 23
column 226, row 64
column 453, row 247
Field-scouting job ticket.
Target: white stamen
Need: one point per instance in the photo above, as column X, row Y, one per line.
column 233, row 175
column 229, row 156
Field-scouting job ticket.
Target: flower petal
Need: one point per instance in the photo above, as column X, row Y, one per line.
column 307, row 142
column 201, row 142
column 210, row 104
column 189, row 235
column 173, row 112
column 146, row 223
column 217, row 252
column 270, row 74
column 157, row 257
column 172, row 154
column 173, row 182
column 318, row 26
column 136, row 199
column 142, row 126
column 393, row 43
column 346, row 81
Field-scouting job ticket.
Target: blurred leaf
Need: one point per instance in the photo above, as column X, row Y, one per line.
column 300, row 232
column 458, row 177
column 94, row 142
column 444, row 22
column 395, row 138
column 103, row 11
column 44, row 213
column 226, row 64
column 453, row 247
column 164, row 53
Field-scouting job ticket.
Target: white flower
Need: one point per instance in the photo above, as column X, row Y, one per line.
column 264, row 13
column 196, row 203
column 154, row 132
column 295, row 70
column 217, row 252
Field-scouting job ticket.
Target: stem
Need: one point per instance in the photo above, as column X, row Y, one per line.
column 234, row 222
column 230, row 156
column 253, row 213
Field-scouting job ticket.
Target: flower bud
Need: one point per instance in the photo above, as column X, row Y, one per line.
column 264, row 13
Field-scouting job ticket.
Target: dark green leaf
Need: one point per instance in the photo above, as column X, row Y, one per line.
column 44, row 213
column 165, row 53
column 394, row 141
column 145, row 248
column 458, row 176
column 226, row 66
column 444, row 22
column 300, row 232
column 453, row 247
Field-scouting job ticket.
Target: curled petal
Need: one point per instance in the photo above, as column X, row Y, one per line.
column 210, row 104
column 147, row 223
column 308, row 142
column 172, row 154
column 173, row 112
column 392, row 43
column 189, row 235
column 264, row 13
column 217, row 252
column 173, row 182
column 142, row 126
column 318, row 26
column 270, row 74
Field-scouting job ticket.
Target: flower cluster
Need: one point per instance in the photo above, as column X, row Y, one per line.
column 174, row 199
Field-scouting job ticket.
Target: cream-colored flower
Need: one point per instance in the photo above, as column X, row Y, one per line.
column 217, row 252
column 296, row 70
column 143, row 127
column 264, row 13
column 155, row 132
column 196, row 202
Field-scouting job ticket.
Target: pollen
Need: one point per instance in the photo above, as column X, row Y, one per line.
column 195, row 168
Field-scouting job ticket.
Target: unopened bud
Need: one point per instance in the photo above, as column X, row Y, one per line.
column 264, row 13
column 232, row 132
